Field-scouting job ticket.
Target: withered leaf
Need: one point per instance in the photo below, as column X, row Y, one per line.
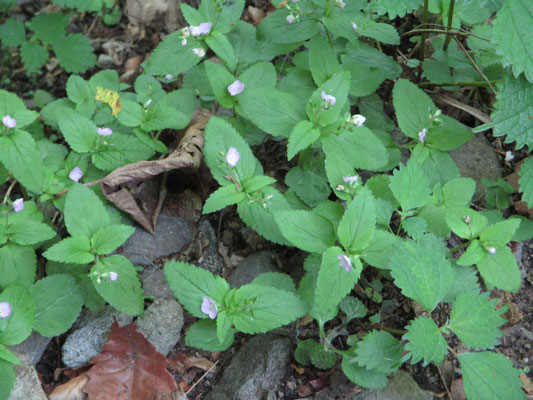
column 129, row 368
column 72, row 390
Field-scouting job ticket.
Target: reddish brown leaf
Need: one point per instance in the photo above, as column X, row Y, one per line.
column 129, row 368
column 72, row 390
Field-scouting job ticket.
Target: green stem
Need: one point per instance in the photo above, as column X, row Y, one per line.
column 450, row 20
column 461, row 246
column 460, row 83
column 391, row 330
column 424, row 34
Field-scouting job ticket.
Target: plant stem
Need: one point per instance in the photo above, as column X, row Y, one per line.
column 450, row 20
column 460, row 83
column 391, row 330
column 461, row 246
column 423, row 39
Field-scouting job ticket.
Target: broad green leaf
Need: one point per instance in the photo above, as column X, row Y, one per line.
column 420, row 269
column 9, row 356
column 302, row 136
column 303, row 350
column 170, row 57
column 219, row 79
column 490, row 376
column 275, row 28
column 334, row 282
column 512, row 27
column 132, row 114
column 12, row 32
column 500, row 270
column 526, row 181
column 244, row 41
column 459, row 192
column 310, row 186
column 18, row 264
column 425, row 341
column 224, row 323
column 364, row 377
column 475, row 321
column 29, row 232
column 306, row 230
column 465, row 222
column 322, row 60
column 257, row 182
column 49, row 27
column 10, row 104
column 332, row 211
column 276, row 280
column 84, row 212
column 108, row 238
column 512, row 111
column 499, row 234
column 474, row 253
column 524, row 231
column 223, row 197
column 338, row 87
column 322, row 358
column 190, row 284
column 415, row 227
column 382, row 32
column 438, row 167
column 75, row 53
column 8, row 379
column 78, row 92
column 449, row 135
column 396, row 8
column 79, row 132
column 17, row 327
column 465, row 280
column 266, row 308
column 410, row 186
column 374, row 254
column 125, row 293
column 357, row 226
column 261, row 74
column 352, row 307
column 203, row 335
column 75, row 250
column 219, row 43
column 118, row 150
column 379, row 351
column 58, row 301
column 33, row 55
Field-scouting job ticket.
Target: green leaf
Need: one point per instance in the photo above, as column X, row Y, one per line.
column 84, row 212
column 475, row 321
column 125, row 294
column 49, row 27
column 108, row 238
column 334, row 282
column 374, row 254
column 12, row 32
column 75, row 53
column 413, row 108
column 410, row 186
column 449, row 135
column 500, row 270
column 465, row 222
column 223, row 197
column 512, row 111
column 310, row 186
column 458, row 192
column 306, row 230
column 425, row 341
column 512, row 27
column 276, row 29
column 203, row 335
column 58, row 301
column 76, row 250
column 420, row 269
column 379, row 351
column 303, row 350
column 219, row 79
column 266, row 308
column 465, row 280
column 352, row 307
column 222, row 48
column 526, row 181
column 118, row 150
column 33, row 55
column 8, row 379
column 364, row 377
column 132, row 114
column 490, row 376
column 78, row 92
column 358, row 224
column 9, row 356
column 396, row 8
column 170, row 57
column 303, row 135
column 472, row 255
column 79, row 132
column 524, row 231
column 499, row 234
column 18, row 264
column 190, row 284
column 322, row 358
column 257, row 182
column 382, row 32
column 337, row 87
column 17, row 327
column 261, row 74
column 276, row 280
column 322, row 60
column 29, row 232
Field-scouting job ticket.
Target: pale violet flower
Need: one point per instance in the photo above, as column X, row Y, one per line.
column 195, row 30
column 350, row 179
column 354, row 26
column 340, row 3
column 422, row 135
column 232, row 156
column 209, row 307
column 328, row 99
column 203, row 29
column 236, row 88
column 9, row 121
column 18, row 205
column 169, row 77
column 358, row 120
column 113, row 276
column 345, row 262
column 76, row 174
column 184, row 42
column 105, row 131
column 290, row 19
column 5, row 309
column 200, row 52
column 509, row 156
column 492, row 250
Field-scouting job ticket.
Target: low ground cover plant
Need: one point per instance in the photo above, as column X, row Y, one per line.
column 312, row 75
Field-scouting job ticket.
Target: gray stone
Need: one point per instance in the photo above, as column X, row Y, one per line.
column 161, row 324
column 211, row 259
column 401, row 387
column 155, row 284
column 476, row 159
column 257, row 368
column 251, row 267
column 27, row 385
column 172, row 234
column 33, row 347
column 90, row 335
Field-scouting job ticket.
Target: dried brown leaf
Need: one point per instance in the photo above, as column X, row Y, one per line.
column 72, row 390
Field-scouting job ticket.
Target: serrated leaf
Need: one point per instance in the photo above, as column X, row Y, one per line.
column 396, row 8
column 475, row 321
column 49, row 27
column 379, row 351
column 306, row 230
column 420, row 269
column 78, row 92
column 512, row 26
column 465, row 222
column 190, row 284
column 108, row 238
column 257, row 182
column 203, row 335
column 526, row 181
column 276, row 29
column 364, row 377
column 310, row 186
column 410, row 186
column 449, row 135
column 503, row 382
column 382, row 32
column 220, row 78
column 374, row 254
column 458, row 192
column 84, row 212
column 18, row 264
column 17, row 327
column 322, row 60
column 425, row 341
column 465, row 280
column 275, row 280
column 499, row 234
column 303, row 350
column 352, row 307
column 321, row 358
column 303, row 135
column 75, row 250
column 58, row 301
column 472, row 255
column 357, row 226
column 170, row 57
column 79, row 132
column 219, row 43
column 12, row 32
column 29, row 232
column 75, row 53
column 500, row 270
column 223, row 197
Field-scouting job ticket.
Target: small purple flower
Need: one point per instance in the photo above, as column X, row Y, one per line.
column 200, row 52
column 290, row 19
column 184, row 42
column 422, row 135
column 354, row 26
column 358, row 120
column 209, row 307
column 104, row 131
column 232, row 156
column 5, row 309
column 194, row 30
column 205, row 28
column 350, row 179
column 345, row 262
column 9, row 122
column 113, row 276
column 18, row 205
column 76, row 174
column 492, row 250
column 236, row 88
column 328, row 99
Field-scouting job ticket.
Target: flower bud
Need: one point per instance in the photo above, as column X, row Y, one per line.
column 358, row 120
column 422, row 135
column 236, row 88
column 290, row 19
column 9, row 122
column 345, row 262
column 104, row 131
column 200, row 52
column 76, row 174
column 329, row 100
column 18, row 205
column 232, row 156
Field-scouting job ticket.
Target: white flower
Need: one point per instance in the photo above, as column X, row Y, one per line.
column 184, row 42
column 354, row 26
column 5, row 309
column 340, row 3
column 200, row 52
column 76, row 174
column 290, row 19
column 236, row 88
column 358, row 120
column 168, row 77
column 232, row 156
column 345, row 262
column 195, row 30
column 104, row 131
column 422, row 135
column 113, row 276
column 328, row 99
column 350, row 179
column 491, row 250
column 509, row 156
column 18, row 205
column 205, row 28
column 9, row 122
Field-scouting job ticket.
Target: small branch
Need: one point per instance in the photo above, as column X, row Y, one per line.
column 423, row 40
column 88, row 184
column 475, row 65
column 8, row 193
column 391, row 330
column 444, row 383
column 202, row 377
column 450, row 21
column 461, row 83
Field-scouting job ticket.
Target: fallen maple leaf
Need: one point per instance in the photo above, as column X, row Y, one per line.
column 129, row 368
column 72, row 390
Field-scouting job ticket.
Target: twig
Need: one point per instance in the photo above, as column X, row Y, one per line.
column 475, row 65
column 202, row 377
column 481, row 116
column 444, row 383
column 450, row 20
column 11, row 186
column 423, row 40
